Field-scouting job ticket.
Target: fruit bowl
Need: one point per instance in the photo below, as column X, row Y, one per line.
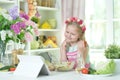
column 65, row 66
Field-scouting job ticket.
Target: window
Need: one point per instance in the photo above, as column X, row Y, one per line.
column 116, row 22
column 103, row 23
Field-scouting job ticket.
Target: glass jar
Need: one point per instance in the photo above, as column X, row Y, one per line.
column 6, row 60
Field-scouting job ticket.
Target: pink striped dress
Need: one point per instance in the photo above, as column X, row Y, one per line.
column 74, row 56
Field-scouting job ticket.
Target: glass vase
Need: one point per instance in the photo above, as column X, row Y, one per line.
column 5, row 58
column 2, row 49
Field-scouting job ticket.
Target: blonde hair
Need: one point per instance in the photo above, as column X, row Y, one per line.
column 82, row 33
column 79, row 24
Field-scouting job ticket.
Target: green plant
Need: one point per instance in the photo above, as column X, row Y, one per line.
column 112, row 51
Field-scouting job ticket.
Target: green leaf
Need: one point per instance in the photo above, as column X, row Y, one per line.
column 106, row 68
column 21, row 36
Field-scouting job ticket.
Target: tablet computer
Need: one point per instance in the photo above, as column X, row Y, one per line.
column 31, row 66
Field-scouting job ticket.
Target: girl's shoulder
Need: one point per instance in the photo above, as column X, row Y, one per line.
column 81, row 43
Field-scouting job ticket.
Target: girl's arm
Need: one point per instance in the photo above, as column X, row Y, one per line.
column 83, row 49
column 63, row 52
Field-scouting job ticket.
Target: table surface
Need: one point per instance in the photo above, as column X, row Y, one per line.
column 70, row 75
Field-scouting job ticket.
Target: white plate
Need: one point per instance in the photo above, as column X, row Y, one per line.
column 9, row 72
column 98, row 75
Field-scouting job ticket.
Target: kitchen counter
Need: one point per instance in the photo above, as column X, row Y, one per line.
column 71, row 75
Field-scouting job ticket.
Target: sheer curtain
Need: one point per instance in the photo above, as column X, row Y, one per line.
column 72, row 8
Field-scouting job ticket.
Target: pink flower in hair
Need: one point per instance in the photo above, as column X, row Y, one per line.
column 66, row 22
column 73, row 19
column 83, row 28
column 80, row 22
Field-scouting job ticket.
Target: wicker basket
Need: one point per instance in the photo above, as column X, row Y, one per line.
column 46, row 3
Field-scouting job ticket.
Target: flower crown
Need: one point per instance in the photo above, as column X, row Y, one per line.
column 79, row 21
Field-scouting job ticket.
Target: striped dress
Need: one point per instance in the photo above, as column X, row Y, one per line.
column 73, row 55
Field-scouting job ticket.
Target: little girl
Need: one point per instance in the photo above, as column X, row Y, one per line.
column 74, row 48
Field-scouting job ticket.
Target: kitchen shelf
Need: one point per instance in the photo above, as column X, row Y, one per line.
column 44, row 50
column 6, row 2
column 46, row 8
column 49, row 30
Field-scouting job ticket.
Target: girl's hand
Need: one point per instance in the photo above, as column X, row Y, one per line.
column 63, row 51
column 64, row 44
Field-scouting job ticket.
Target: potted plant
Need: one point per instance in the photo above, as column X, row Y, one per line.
column 113, row 52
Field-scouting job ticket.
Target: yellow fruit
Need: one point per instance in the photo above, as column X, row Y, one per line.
column 46, row 25
column 50, row 42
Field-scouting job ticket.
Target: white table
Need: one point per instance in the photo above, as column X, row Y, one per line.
column 71, row 75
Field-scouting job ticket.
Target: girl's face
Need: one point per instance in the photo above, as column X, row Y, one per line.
column 72, row 34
